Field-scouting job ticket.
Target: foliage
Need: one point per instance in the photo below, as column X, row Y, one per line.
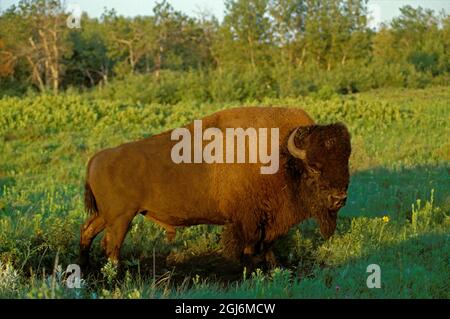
column 397, row 214
column 276, row 48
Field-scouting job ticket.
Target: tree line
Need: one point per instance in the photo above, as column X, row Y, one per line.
column 261, row 48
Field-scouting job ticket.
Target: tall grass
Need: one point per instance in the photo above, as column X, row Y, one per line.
column 397, row 215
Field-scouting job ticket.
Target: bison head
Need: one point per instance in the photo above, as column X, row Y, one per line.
column 322, row 153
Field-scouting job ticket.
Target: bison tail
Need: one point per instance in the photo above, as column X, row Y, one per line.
column 89, row 200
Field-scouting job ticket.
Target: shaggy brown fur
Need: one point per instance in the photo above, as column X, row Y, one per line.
column 256, row 209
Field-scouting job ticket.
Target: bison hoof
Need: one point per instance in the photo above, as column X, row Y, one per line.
column 270, row 259
column 83, row 259
column 265, row 261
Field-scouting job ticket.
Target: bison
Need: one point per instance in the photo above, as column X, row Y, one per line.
column 141, row 178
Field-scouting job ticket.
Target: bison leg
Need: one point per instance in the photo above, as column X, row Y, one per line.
column 115, row 235
column 250, row 258
column 270, row 258
column 249, row 250
column 232, row 241
column 259, row 255
column 254, row 259
column 170, row 230
column 91, row 228
column 170, row 233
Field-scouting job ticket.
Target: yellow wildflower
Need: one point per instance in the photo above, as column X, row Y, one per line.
column 386, row 219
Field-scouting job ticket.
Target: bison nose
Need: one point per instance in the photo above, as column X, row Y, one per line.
column 337, row 200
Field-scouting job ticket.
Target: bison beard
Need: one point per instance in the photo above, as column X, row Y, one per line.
column 256, row 209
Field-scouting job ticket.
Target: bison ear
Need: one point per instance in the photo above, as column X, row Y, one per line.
column 299, row 133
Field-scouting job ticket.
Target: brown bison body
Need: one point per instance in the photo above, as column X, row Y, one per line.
column 256, row 209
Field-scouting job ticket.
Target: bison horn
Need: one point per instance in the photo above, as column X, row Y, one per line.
column 293, row 149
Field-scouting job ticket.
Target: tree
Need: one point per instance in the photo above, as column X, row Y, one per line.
column 445, row 57
column 89, row 63
column 39, row 35
column 414, row 37
column 7, row 57
column 246, row 31
column 336, row 31
column 129, row 40
column 287, row 30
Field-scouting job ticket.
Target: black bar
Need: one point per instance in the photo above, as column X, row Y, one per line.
column 217, row 308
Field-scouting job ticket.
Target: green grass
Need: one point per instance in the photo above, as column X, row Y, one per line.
column 400, row 169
